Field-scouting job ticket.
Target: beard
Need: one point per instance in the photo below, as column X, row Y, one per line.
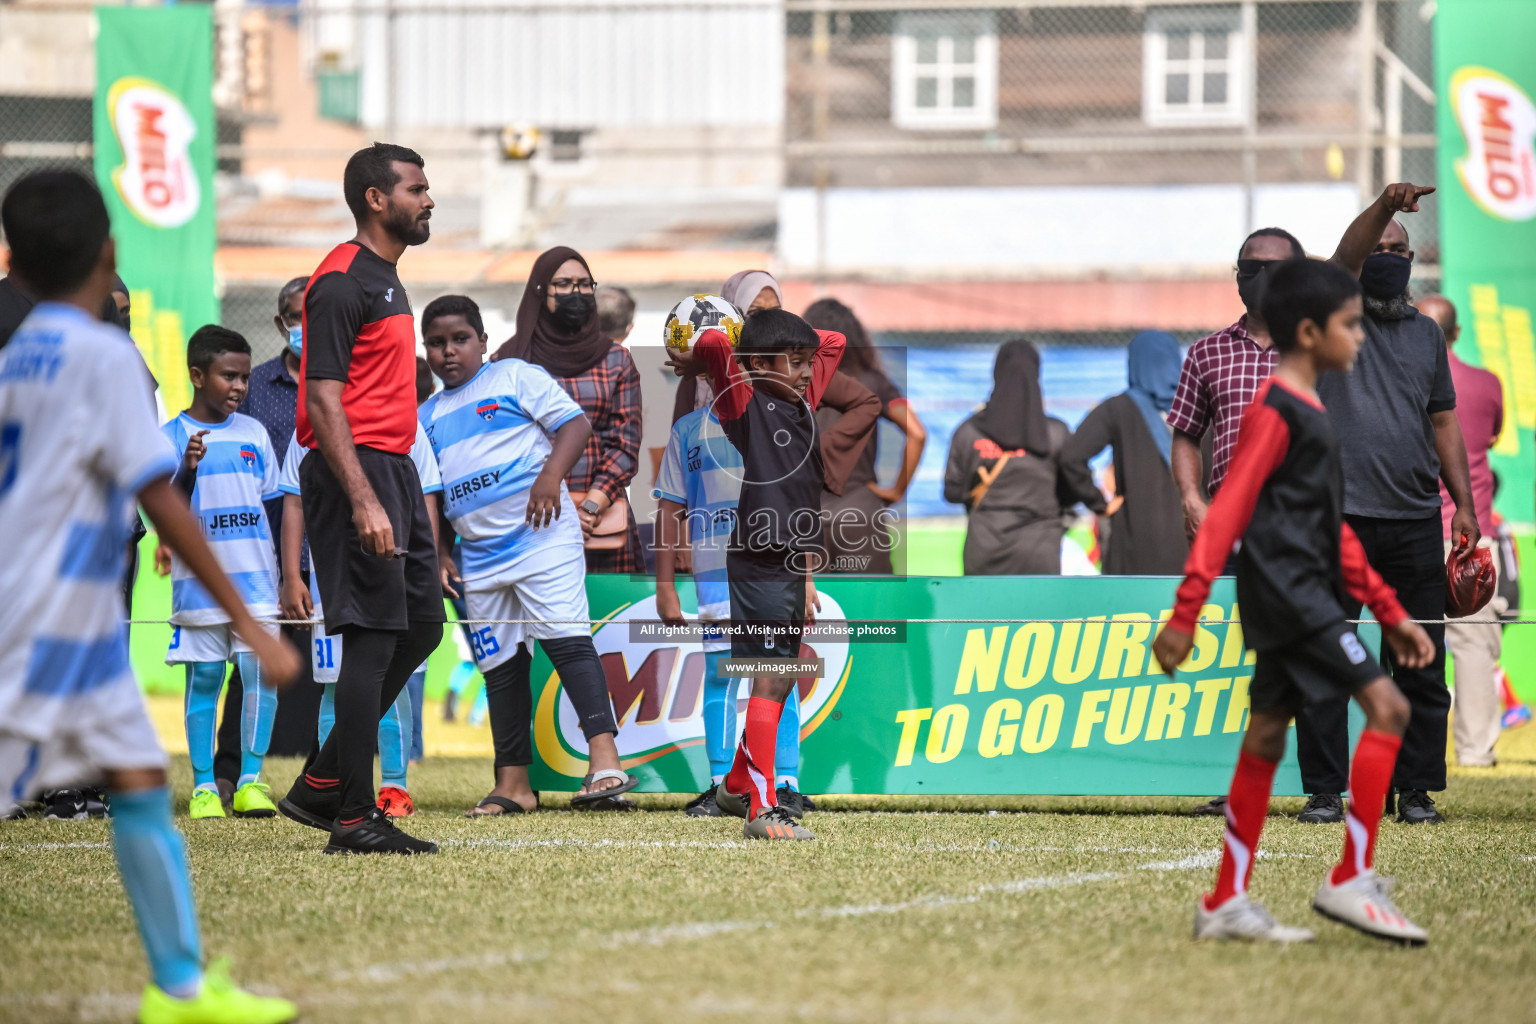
column 1398, row 307
column 406, row 227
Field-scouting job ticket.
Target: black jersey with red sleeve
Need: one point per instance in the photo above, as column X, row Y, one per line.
column 358, row 328
column 1284, row 498
column 782, row 469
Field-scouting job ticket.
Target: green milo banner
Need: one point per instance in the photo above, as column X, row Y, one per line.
column 1485, row 80
column 154, row 140
column 957, row 707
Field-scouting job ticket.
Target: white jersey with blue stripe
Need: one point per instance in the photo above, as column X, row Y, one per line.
column 235, row 475
column 491, row 436
column 702, row 471
column 78, row 441
column 421, row 455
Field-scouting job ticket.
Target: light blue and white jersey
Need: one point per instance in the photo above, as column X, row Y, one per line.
column 421, row 455
column 491, row 437
column 702, row 471
column 78, row 441
column 235, row 475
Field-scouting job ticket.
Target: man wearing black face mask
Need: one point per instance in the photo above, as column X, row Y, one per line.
column 1399, row 438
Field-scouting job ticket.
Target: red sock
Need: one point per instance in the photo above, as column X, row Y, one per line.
column 1369, row 776
column 1247, row 804
column 752, row 772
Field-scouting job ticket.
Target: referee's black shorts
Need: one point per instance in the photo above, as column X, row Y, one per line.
column 1325, row 665
column 358, row 588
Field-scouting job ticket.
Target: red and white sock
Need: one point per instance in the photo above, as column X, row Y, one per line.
column 752, row 771
column 1370, row 775
column 1247, row 805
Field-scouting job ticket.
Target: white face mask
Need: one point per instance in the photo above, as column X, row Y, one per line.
column 296, row 340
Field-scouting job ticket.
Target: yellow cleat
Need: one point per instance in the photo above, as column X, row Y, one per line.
column 206, row 804
column 219, row 1001
column 254, row 800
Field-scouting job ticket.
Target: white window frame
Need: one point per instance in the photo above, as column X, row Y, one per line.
column 905, row 71
column 1156, row 66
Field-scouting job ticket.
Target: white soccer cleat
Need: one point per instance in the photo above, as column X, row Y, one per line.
column 1363, row 903
column 1242, row 919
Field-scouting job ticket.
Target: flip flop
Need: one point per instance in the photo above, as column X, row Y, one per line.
column 508, row 806
column 589, row 801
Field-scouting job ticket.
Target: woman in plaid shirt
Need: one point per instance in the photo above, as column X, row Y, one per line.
column 557, row 328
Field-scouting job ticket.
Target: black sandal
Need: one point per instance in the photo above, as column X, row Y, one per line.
column 507, row 805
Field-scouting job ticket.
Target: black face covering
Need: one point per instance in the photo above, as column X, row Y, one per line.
column 573, row 310
column 1385, row 275
column 1251, row 278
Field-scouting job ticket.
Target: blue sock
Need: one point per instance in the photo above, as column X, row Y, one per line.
column 719, row 716
column 460, row 677
column 205, row 682
column 394, row 741
column 258, row 707
column 327, row 710
column 416, row 686
column 153, row 864
column 786, row 755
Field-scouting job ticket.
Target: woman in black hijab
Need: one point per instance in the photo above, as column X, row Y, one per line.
column 557, row 328
column 1002, row 468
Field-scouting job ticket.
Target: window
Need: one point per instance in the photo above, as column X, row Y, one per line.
column 1194, row 68
column 944, row 71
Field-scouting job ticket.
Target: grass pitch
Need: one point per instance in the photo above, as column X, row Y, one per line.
column 957, row 909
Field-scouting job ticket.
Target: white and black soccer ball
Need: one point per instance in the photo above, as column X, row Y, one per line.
column 695, row 315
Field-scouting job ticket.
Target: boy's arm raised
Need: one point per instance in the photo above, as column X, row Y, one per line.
column 733, row 388
column 829, row 355
column 179, row 531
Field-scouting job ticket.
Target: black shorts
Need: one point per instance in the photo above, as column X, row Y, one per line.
column 767, row 605
column 1325, row 665
column 358, row 588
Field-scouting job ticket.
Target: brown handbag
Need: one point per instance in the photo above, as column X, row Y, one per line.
column 612, row 530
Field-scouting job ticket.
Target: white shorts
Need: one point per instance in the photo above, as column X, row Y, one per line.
column 208, row 643
column 539, row 588
column 81, row 746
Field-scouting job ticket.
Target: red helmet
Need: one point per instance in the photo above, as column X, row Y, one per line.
column 1469, row 582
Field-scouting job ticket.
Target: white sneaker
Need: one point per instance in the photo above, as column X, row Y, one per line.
column 1241, row 918
column 1363, row 903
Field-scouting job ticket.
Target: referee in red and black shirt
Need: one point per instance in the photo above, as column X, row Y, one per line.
column 370, row 539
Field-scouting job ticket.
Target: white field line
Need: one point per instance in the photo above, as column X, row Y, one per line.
column 616, row 844
column 57, row 846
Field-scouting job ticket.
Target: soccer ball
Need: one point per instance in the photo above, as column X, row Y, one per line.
column 695, row 315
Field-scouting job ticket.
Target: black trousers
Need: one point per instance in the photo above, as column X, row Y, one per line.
column 1410, row 555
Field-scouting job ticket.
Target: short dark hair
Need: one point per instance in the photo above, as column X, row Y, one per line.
column 1300, row 290
column 1298, row 251
column 770, row 331
column 56, row 223
column 374, row 168
column 298, row 284
column 615, row 310
column 453, row 305
column 424, row 385
column 211, row 341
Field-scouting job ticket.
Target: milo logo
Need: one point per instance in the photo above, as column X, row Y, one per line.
column 155, row 130
column 657, row 689
column 1499, row 123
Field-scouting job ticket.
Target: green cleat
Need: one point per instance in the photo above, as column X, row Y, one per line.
column 734, row 804
column 219, row 1001
column 205, row 804
column 254, row 800
column 776, row 823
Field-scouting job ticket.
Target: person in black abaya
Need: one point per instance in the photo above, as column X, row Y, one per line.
column 1146, row 527
column 1003, row 469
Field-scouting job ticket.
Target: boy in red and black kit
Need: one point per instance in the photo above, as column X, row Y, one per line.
column 1298, row 565
column 766, row 398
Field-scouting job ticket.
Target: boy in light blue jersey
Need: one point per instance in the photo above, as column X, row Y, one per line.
column 506, row 435
column 227, row 469
column 299, row 602
column 698, row 486
column 79, row 448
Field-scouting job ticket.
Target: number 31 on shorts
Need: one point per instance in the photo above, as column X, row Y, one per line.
column 482, row 643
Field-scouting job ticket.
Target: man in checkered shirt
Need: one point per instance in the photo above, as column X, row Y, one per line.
column 1221, row 374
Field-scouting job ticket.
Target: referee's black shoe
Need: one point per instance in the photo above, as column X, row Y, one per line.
column 375, row 833
column 307, row 805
